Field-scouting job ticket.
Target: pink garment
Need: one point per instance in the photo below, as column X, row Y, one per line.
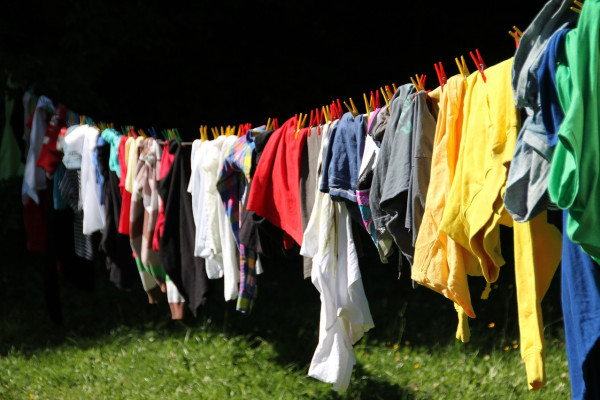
column 165, row 165
column 126, row 196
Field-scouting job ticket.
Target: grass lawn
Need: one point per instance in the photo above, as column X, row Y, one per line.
column 113, row 345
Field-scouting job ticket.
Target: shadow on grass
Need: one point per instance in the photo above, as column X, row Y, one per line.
column 286, row 312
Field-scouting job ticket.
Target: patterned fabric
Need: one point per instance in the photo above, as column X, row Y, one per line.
column 233, row 186
column 247, row 294
column 143, row 213
column 233, row 178
column 69, row 190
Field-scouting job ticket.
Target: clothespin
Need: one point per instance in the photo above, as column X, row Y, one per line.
column 81, row 119
column 354, row 109
column 268, row 127
column 578, row 8
column 141, row 132
column 367, row 108
column 394, row 86
column 478, row 63
column 310, row 122
column 298, row 123
column 376, row 100
column 517, row 34
column 385, row 98
column 416, row 84
column 462, row 66
column 441, row 74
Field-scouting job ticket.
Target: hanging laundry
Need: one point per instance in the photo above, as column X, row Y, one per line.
column 84, row 139
column 50, row 157
column 120, row 264
column 177, row 242
column 231, row 254
column 526, row 188
column 580, row 274
column 345, row 314
column 208, row 238
column 573, row 183
column 70, row 189
column 127, row 147
column 385, row 241
column 375, row 131
column 269, row 238
column 408, row 152
column 10, row 152
column 165, row 165
column 233, row 185
column 275, row 192
column 439, row 262
column 142, row 219
column 308, row 173
column 479, row 182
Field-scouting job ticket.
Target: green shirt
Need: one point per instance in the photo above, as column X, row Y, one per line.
column 574, row 181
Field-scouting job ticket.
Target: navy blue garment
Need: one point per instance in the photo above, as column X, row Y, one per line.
column 580, row 296
column 580, row 275
column 343, row 157
column 546, row 73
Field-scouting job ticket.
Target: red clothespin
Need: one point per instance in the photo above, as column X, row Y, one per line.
column 339, row 109
column 479, row 63
column 310, row 122
column 377, row 102
column 132, row 131
column 275, row 123
column 319, row 113
column 441, row 74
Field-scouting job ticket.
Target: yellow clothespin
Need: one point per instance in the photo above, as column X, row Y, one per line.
column 81, row 119
column 385, row 98
column 354, row 109
column 268, row 124
column 367, row 107
column 578, row 8
column 462, row 66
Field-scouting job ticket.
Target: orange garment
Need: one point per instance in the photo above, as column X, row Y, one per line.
column 440, row 263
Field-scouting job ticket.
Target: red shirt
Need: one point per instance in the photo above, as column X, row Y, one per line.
column 165, row 164
column 275, row 191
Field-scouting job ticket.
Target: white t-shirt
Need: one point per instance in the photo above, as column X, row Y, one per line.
column 34, row 177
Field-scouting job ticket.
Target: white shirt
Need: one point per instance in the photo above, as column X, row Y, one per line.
column 208, row 240
column 93, row 212
column 345, row 314
column 34, row 177
column 231, row 255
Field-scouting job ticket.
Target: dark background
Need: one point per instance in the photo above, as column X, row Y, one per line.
column 182, row 64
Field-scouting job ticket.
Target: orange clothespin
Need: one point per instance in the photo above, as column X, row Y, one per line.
column 517, row 35
column 441, row 74
column 578, row 8
column 385, row 98
column 462, row 66
column 478, row 63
